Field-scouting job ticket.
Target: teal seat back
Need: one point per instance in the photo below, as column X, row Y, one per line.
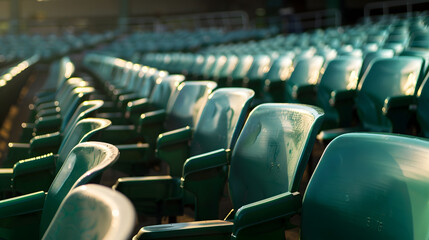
column 280, row 69
column 84, row 162
column 242, row 67
column 341, row 74
column 208, row 60
column 306, row 72
column 217, row 67
column 386, row 78
column 197, row 64
column 272, row 151
column 221, row 120
column 369, row 186
column 260, row 66
column 164, row 89
column 59, row 72
column 423, row 53
column 228, row 67
column 185, row 107
column 80, row 132
column 208, row 66
column 83, row 111
column 422, row 111
column 145, row 89
column 95, row 212
column 133, row 78
column 79, row 95
column 67, row 88
column 369, row 58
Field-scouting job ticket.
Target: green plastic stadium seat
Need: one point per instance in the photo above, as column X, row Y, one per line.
column 341, row 75
column 384, row 96
column 93, row 212
column 217, row 128
column 37, row 173
column 28, row 216
column 183, row 109
column 50, row 142
column 374, row 191
column 266, row 166
column 300, row 87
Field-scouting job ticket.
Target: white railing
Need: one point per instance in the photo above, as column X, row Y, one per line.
column 405, row 6
column 312, row 20
column 222, row 20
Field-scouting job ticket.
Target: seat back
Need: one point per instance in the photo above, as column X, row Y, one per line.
column 59, row 72
column 219, row 124
column 386, row 78
column 369, row 58
column 280, row 69
column 423, row 53
column 422, row 111
column 109, row 213
column 67, row 88
column 84, row 110
column 272, row 151
column 217, row 67
column 149, row 82
column 227, row 68
column 79, row 95
column 241, row 69
column 340, row 74
column 81, row 132
column 369, row 186
column 164, row 89
column 221, row 120
column 84, row 162
column 184, row 108
column 306, row 72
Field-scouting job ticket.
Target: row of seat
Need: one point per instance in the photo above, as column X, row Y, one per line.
column 15, row 48
column 247, row 229
column 211, row 141
column 12, row 80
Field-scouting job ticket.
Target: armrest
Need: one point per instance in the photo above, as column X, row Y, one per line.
column 34, row 174
column 46, row 105
column 5, row 179
column 214, row 229
column 397, row 102
column 172, row 137
column 27, row 132
column 128, row 97
column 154, row 188
column 204, row 170
column 195, row 167
column 108, row 106
column 17, row 151
column 137, row 105
column 48, row 112
column 329, row 135
column 266, row 210
column 132, row 153
column 173, row 148
column 118, row 134
column 45, row 143
column 22, row 204
column 117, row 118
column 151, row 125
column 48, row 122
column 341, row 96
